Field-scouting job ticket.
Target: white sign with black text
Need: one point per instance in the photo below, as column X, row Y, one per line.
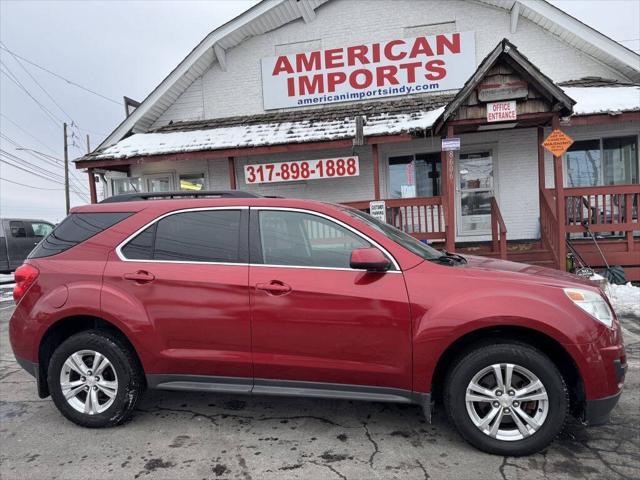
column 302, row 170
column 378, row 210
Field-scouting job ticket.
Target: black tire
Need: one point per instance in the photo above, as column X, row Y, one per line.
column 125, row 364
column 468, row 365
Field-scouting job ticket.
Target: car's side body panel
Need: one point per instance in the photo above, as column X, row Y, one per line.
column 334, row 326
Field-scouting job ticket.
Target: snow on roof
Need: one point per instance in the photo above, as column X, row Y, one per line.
column 243, row 136
column 589, row 101
column 593, row 100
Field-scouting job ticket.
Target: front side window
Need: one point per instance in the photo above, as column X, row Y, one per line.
column 41, row 229
column 398, row 236
column 303, row 239
column 607, row 161
column 200, row 236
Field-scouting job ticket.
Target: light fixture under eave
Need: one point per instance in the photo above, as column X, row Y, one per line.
column 496, row 126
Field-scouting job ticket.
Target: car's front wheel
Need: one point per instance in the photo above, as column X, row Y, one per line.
column 506, row 399
column 94, row 379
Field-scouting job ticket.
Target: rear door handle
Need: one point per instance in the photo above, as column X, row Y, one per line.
column 274, row 287
column 140, row 276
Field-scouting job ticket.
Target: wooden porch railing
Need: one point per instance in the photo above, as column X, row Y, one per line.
column 549, row 224
column 498, row 231
column 423, row 218
column 605, row 209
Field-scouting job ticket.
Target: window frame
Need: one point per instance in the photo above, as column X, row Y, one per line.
column 601, row 174
column 255, row 247
column 243, row 248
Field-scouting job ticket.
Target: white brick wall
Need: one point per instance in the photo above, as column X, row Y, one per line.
column 345, row 22
column 238, row 91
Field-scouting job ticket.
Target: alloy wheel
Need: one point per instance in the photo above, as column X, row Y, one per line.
column 507, row 402
column 89, row 382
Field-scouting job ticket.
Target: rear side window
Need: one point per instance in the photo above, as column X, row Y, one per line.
column 18, row 229
column 75, row 229
column 202, row 236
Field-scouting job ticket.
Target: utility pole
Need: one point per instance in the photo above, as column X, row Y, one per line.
column 66, row 171
column 88, row 145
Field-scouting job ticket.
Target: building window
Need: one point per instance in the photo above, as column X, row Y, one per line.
column 126, row 185
column 192, row 181
column 413, row 176
column 608, row 161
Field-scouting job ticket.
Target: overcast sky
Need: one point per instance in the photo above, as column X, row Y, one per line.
column 117, row 48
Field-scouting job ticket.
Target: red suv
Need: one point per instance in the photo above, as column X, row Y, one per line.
column 232, row 292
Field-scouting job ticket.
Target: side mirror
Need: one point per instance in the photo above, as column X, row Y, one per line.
column 370, row 259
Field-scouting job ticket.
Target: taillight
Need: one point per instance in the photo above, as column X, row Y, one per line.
column 25, row 276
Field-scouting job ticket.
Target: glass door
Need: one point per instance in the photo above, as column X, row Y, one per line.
column 475, row 190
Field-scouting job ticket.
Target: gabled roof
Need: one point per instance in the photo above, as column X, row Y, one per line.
column 507, row 51
column 572, row 31
column 269, row 15
column 263, row 17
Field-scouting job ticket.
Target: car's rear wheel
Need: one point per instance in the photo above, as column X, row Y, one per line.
column 506, row 399
column 94, row 379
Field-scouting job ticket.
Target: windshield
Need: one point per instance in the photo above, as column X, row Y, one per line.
column 407, row 241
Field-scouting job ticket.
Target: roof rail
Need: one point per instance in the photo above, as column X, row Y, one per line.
column 136, row 197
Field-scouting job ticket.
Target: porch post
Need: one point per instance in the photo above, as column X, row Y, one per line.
column 376, row 171
column 92, row 186
column 232, row 173
column 541, row 174
column 560, row 207
column 448, row 197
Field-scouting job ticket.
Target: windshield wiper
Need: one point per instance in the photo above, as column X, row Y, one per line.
column 460, row 258
column 450, row 258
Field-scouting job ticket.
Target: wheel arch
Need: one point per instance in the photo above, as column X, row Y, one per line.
column 548, row 345
column 65, row 328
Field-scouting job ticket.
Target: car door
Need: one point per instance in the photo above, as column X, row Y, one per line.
column 314, row 319
column 20, row 242
column 188, row 271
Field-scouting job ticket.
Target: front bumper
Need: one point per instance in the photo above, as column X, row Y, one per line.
column 597, row 412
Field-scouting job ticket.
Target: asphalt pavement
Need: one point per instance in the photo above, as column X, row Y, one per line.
column 210, row 436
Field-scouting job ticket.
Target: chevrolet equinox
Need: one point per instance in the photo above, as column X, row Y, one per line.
column 232, row 292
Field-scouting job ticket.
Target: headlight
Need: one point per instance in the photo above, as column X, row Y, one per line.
column 592, row 303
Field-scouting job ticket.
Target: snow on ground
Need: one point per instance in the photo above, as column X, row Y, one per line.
column 624, row 298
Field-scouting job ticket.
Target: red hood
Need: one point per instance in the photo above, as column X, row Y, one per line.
column 546, row 275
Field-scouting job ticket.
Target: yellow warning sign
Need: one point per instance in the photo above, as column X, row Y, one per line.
column 557, row 142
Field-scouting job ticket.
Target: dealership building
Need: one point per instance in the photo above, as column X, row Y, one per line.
column 498, row 127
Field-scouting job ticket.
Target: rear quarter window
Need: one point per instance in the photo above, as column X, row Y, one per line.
column 75, row 229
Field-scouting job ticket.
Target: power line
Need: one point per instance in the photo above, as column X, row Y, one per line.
column 27, row 133
column 44, row 177
column 37, row 83
column 15, row 80
column 79, row 184
column 61, row 77
column 29, row 186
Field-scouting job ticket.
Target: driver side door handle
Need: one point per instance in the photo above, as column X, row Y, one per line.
column 274, row 287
